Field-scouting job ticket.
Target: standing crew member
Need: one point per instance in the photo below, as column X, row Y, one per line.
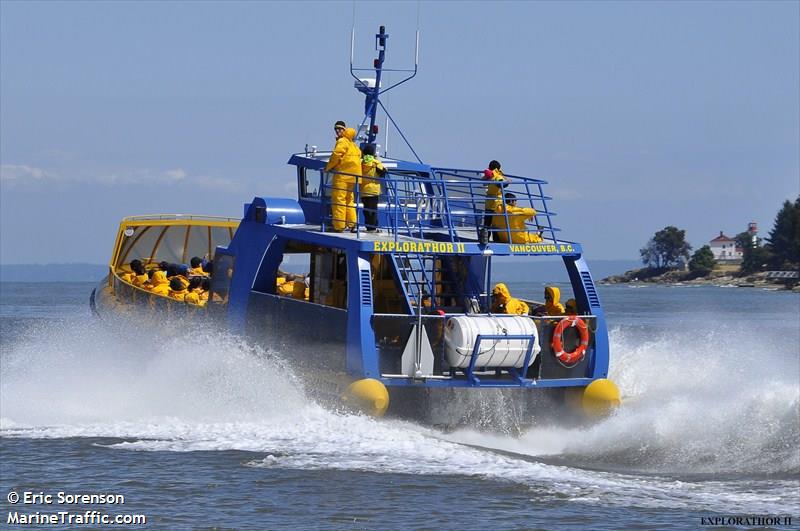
column 370, row 189
column 493, row 191
column 346, row 162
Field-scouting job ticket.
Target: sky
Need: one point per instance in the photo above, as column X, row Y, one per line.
column 639, row 114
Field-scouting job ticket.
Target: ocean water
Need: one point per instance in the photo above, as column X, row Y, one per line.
column 205, row 430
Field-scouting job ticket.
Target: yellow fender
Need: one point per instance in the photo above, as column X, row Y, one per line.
column 600, row 398
column 368, row 395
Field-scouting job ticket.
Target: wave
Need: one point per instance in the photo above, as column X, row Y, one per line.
column 690, row 408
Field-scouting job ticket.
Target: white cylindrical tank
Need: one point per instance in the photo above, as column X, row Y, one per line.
column 461, row 333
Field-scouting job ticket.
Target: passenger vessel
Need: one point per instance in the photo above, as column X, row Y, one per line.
column 398, row 316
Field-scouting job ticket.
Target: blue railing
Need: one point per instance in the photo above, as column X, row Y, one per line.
column 449, row 202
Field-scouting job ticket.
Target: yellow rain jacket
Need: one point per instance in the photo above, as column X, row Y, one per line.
column 299, row 290
column 346, row 158
column 371, row 167
column 159, row 283
column 177, row 295
column 494, row 191
column 139, row 280
column 197, row 272
column 286, row 289
column 183, row 279
column 503, row 301
column 516, row 222
column 553, row 306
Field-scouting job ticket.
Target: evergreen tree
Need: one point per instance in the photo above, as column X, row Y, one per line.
column 784, row 238
column 755, row 259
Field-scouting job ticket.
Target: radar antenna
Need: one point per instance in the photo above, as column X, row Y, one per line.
column 371, row 87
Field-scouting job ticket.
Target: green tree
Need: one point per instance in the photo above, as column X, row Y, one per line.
column 702, row 260
column 784, row 238
column 743, row 240
column 667, row 248
column 755, row 259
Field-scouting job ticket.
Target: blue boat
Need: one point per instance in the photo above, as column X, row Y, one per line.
column 396, row 316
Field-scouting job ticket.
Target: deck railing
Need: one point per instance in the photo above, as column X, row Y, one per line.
column 449, row 202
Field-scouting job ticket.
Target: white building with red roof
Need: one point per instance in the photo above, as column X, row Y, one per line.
column 724, row 248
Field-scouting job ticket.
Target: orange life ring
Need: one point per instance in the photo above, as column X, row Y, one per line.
column 570, row 358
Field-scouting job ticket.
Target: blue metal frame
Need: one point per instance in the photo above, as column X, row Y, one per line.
column 424, row 211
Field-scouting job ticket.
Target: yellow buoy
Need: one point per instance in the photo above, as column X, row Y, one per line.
column 600, row 398
column 368, row 395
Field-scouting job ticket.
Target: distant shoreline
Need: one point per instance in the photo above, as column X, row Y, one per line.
column 645, row 276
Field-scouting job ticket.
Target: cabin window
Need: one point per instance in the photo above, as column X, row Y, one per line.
column 329, row 277
column 309, row 182
column 308, row 272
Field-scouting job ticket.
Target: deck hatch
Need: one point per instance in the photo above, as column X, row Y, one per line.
column 591, row 292
column 366, row 288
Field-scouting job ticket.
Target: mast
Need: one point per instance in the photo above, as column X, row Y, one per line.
column 371, row 87
column 372, row 95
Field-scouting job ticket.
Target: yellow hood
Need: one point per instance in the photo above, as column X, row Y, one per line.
column 555, row 295
column 159, row 277
column 501, row 292
column 350, row 134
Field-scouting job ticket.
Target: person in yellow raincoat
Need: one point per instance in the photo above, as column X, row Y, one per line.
column 285, row 288
column 503, row 302
column 552, row 305
column 159, row 284
column 137, row 276
column 346, row 161
column 516, row 222
column 370, row 189
column 177, row 290
column 193, row 291
column 493, row 192
column 197, row 267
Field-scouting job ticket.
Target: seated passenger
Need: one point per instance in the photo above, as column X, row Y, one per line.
column 286, row 288
column 193, row 291
column 128, row 276
column 571, row 307
column 177, row 290
column 205, row 288
column 503, row 302
column 299, row 289
column 159, row 283
column 196, row 267
column 174, row 272
column 515, row 223
column 552, row 305
column 140, row 277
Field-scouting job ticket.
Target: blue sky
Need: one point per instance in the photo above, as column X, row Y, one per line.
column 640, row 114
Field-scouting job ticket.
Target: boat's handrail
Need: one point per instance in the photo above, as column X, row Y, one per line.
column 449, row 200
column 179, row 217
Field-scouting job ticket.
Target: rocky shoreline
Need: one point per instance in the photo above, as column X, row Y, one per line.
column 714, row 278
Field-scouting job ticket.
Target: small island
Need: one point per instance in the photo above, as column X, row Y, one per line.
column 743, row 261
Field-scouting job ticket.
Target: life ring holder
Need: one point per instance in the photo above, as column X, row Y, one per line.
column 570, row 359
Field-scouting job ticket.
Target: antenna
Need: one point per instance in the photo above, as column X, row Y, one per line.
column 371, row 87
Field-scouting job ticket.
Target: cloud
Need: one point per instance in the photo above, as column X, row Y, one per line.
column 19, row 173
